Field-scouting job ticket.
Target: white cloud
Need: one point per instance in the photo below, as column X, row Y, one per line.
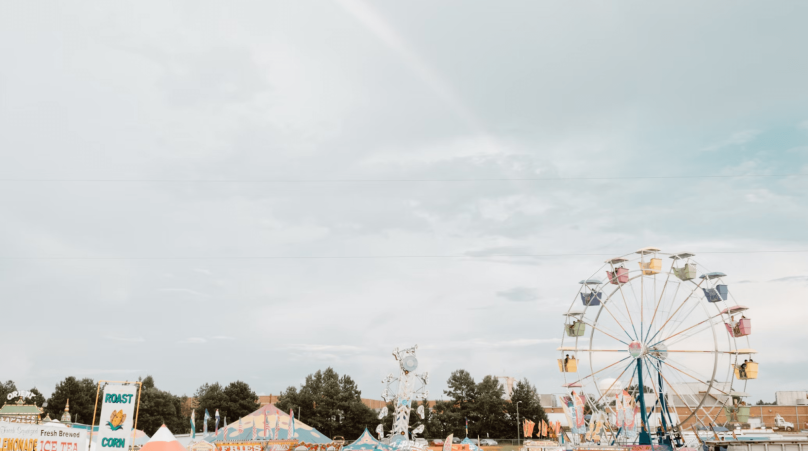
column 735, row 139
column 193, row 340
column 519, row 294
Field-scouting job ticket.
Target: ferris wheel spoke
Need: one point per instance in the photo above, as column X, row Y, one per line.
column 691, row 327
column 591, row 350
column 680, row 322
column 683, row 366
column 605, row 307
column 615, row 381
column 602, row 369
column 692, row 333
column 707, row 414
column 700, row 408
column 628, row 312
column 659, row 302
column 605, row 333
column 668, row 363
column 677, row 309
column 692, row 412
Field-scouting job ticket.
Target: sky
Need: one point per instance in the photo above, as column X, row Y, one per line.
column 202, row 192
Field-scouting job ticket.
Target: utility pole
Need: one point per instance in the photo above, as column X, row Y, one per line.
column 518, row 438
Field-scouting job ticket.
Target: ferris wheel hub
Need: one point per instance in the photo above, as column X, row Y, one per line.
column 637, row 349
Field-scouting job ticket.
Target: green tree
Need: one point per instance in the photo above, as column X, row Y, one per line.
column 488, row 410
column 241, row 399
column 330, row 403
column 211, row 397
column 82, row 395
column 158, row 407
column 6, row 388
column 530, row 407
column 440, row 420
column 38, row 399
column 234, row 401
column 450, row 416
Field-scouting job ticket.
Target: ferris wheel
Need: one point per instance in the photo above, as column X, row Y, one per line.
column 659, row 338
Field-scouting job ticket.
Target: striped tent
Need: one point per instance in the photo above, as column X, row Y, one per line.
column 303, row 432
column 366, row 441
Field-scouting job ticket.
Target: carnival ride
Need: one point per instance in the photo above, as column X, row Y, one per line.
column 407, row 387
column 651, row 339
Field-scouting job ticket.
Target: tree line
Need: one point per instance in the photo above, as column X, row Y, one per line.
column 483, row 403
column 333, row 405
column 326, row 401
column 157, row 407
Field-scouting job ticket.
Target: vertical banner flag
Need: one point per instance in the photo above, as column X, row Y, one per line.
column 240, row 426
column 193, row 424
column 217, row 423
column 266, row 425
column 255, row 428
column 467, row 427
column 276, row 433
column 224, row 425
column 117, row 417
column 290, row 433
column 447, row 445
column 205, row 424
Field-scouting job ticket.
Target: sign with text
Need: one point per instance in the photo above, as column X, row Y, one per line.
column 32, row 437
column 240, row 446
column 117, row 417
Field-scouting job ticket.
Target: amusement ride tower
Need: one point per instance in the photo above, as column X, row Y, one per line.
column 408, row 386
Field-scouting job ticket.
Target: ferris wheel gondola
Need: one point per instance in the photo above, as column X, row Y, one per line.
column 662, row 343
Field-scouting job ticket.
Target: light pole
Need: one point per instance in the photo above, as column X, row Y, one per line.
column 518, row 439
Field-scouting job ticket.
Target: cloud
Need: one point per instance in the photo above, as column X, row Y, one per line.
column 791, row 279
column 415, row 100
column 803, row 125
column 126, row 340
column 735, row 139
column 519, row 294
column 182, row 290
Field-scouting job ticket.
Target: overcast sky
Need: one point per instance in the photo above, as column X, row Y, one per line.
column 113, row 265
